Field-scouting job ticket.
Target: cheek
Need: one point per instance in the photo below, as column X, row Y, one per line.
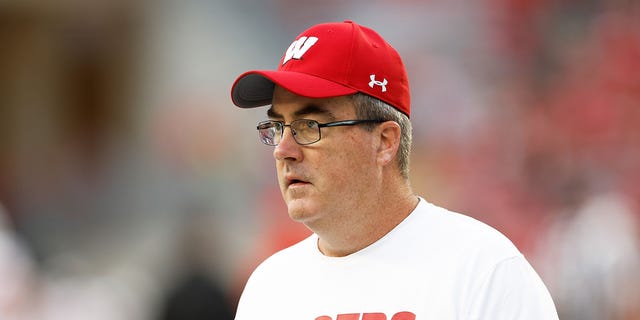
column 348, row 167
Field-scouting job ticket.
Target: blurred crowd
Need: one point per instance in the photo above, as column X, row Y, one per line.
column 130, row 188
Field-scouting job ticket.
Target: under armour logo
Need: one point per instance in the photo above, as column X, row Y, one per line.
column 298, row 48
column 382, row 83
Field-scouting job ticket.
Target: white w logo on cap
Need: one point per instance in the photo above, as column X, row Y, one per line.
column 298, row 48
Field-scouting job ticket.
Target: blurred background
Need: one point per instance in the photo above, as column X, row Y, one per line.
column 131, row 188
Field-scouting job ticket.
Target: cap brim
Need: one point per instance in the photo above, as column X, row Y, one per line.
column 255, row 88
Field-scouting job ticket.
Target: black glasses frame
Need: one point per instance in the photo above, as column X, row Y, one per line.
column 280, row 125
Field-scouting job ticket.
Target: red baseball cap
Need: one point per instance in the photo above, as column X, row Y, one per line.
column 330, row 60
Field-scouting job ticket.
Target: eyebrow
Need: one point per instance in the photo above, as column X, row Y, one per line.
column 309, row 109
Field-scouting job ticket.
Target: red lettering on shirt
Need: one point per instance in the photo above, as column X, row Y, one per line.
column 402, row 315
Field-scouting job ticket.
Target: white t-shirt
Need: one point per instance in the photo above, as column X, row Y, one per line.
column 435, row 264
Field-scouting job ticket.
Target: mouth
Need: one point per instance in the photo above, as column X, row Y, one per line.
column 294, row 182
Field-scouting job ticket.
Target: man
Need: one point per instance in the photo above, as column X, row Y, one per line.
column 339, row 124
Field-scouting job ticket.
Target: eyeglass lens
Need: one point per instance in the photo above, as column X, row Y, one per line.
column 304, row 131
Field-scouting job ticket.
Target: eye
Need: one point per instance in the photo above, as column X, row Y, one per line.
column 304, row 127
column 310, row 124
column 266, row 125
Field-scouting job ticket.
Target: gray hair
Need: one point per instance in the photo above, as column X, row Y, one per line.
column 368, row 107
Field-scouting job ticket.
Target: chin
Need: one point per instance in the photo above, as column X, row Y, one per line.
column 300, row 210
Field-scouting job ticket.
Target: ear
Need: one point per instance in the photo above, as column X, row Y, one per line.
column 389, row 142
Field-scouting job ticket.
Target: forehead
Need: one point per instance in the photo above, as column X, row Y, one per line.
column 286, row 104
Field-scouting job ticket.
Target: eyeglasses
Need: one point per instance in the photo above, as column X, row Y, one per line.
column 304, row 131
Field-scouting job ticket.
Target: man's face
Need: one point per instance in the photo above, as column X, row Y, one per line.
column 324, row 181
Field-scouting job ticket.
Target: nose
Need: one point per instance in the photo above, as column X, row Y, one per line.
column 288, row 148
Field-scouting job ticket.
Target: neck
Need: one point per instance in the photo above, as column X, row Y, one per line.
column 367, row 222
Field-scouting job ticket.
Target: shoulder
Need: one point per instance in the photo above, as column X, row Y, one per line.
column 499, row 281
column 462, row 233
column 273, row 272
column 282, row 262
column 450, row 243
column 269, row 277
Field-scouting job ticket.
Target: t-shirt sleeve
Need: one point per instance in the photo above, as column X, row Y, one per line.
column 512, row 290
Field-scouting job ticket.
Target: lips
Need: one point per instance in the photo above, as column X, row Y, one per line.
column 295, row 181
